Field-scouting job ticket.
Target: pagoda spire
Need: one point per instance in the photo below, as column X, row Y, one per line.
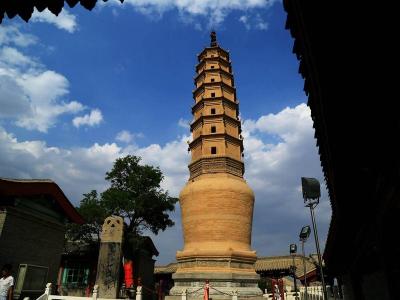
column 213, row 36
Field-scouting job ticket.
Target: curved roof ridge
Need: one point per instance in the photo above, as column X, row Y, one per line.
column 30, row 187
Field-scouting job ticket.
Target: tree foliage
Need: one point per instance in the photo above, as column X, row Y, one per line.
column 94, row 213
column 135, row 194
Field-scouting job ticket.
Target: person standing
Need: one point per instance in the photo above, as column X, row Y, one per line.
column 6, row 283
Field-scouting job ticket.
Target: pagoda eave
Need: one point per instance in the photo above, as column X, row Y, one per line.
column 216, row 116
column 224, row 100
column 213, row 70
column 223, row 136
column 219, row 83
column 217, row 59
column 212, row 48
column 213, row 58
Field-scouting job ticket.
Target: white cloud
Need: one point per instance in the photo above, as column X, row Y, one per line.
column 198, row 27
column 64, row 20
column 124, row 136
column 214, row 11
column 80, row 166
column 13, row 102
column 115, row 12
column 31, row 95
column 34, row 94
column 244, row 20
column 274, row 169
column 11, row 35
column 95, row 117
column 127, row 137
column 173, row 159
column 35, row 159
column 14, row 58
column 260, row 23
column 184, row 123
column 279, row 150
column 253, row 22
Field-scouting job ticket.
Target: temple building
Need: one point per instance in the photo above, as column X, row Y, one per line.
column 356, row 139
column 33, row 218
column 216, row 203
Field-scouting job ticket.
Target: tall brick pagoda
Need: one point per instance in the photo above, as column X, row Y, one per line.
column 216, row 203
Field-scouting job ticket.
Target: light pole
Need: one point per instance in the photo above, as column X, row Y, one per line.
column 293, row 250
column 304, row 234
column 311, row 194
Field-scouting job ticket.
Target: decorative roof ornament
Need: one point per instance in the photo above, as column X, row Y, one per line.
column 213, row 37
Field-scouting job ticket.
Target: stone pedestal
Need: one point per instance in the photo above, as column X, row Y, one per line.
column 226, row 276
column 110, row 254
column 222, row 285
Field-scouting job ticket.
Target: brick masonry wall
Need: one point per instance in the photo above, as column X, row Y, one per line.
column 31, row 239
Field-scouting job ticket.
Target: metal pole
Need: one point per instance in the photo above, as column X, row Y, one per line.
column 294, row 277
column 304, row 268
column 318, row 251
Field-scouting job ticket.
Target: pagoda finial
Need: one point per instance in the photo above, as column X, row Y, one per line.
column 213, row 37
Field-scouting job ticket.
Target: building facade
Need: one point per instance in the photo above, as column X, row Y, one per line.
column 33, row 214
column 78, row 268
column 342, row 64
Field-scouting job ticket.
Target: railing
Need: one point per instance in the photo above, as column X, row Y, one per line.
column 287, row 295
column 316, row 293
column 48, row 296
column 313, row 293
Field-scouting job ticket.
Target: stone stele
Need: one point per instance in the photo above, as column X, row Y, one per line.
column 109, row 262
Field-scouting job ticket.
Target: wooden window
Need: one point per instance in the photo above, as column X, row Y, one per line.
column 213, row 95
column 76, row 274
column 213, row 111
column 213, row 150
column 213, row 129
column 212, row 79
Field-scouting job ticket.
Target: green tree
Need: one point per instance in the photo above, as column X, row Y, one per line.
column 94, row 213
column 136, row 195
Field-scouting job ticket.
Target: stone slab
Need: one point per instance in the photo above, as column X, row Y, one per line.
column 108, row 268
column 110, row 254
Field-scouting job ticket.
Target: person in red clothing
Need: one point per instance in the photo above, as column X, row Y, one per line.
column 128, row 273
column 206, row 291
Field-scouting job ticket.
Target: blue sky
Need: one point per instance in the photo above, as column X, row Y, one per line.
column 79, row 90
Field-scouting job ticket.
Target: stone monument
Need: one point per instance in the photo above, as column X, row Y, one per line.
column 110, row 254
column 216, row 203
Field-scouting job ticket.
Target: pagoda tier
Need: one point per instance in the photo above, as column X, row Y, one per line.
column 217, row 145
